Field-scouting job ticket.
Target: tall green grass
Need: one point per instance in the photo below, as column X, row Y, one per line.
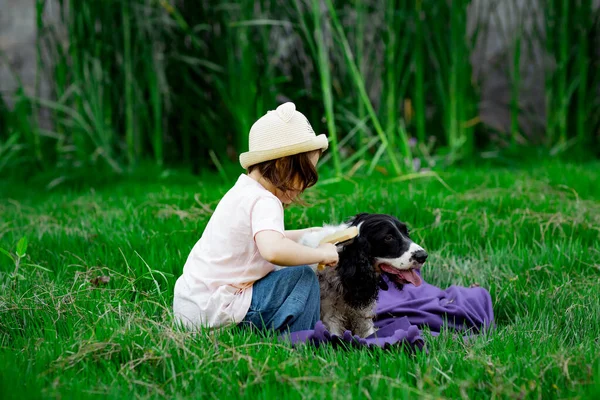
column 515, row 75
column 419, row 65
column 182, row 82
column 572, row 103
column 449, row 48
column 324, row 66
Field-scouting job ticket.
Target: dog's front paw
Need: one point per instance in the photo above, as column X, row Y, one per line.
column 370, row 332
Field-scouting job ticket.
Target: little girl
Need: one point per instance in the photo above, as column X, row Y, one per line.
column 229, row 276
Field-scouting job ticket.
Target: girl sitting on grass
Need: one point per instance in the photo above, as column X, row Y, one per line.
column 229, row 276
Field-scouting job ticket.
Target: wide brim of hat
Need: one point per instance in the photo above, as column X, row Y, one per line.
column 255, row 157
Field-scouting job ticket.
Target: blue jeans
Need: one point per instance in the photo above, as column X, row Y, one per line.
column 288, row 299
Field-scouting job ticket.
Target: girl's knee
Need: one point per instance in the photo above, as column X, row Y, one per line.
column 307, row 274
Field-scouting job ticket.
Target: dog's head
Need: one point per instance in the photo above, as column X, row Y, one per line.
column 383, row 245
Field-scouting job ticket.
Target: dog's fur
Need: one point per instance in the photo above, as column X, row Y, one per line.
column 349, row 291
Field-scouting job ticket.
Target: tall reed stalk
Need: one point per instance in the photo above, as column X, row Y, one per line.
column 360, row 8
column 130, row 133
column 569, row 95
column 515, row 71
column 39, row 10
column 419, row 68
column 550, row 22
column 390, row 81
column 584, row 16
column 360, row 85
column 398, row 60
column 558, row 93
column 459, row 136
column 515, row 91
column 325, row 77
column 563, row 64
column 450, row 53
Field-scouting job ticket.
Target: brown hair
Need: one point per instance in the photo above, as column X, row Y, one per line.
column 285, row 171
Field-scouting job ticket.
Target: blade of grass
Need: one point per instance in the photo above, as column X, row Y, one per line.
column 156, row 102
column 127, row 64
column 515, row 76
column 218, row 165
column 39, row 12
column 307, row 33
column 360, row 7
column 582, row 62
column 324, row 74
column 563, row 71
column 421, row 175
column 345, row 141
column 391, row 100
column 360, row 152
column 549, row 18
column 419, row 68
column 378, row 154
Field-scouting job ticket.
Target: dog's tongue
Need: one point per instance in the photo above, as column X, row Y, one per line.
column 407, row 275
column 411, row 276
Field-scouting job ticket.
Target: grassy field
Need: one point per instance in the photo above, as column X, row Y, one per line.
column 529, row 235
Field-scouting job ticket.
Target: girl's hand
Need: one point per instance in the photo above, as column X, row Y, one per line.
column 330, row 254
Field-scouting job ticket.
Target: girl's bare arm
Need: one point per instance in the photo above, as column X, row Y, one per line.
column 280, row 250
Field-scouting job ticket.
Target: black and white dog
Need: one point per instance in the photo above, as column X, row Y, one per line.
column 349, row 291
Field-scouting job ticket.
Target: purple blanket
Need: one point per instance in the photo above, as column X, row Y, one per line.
column 400, row 315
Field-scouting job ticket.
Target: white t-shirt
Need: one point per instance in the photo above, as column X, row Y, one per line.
column 215, row 288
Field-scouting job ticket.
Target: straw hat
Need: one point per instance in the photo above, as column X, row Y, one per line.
column 279, row 133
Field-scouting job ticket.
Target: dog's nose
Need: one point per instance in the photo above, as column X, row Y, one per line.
column 420, row 256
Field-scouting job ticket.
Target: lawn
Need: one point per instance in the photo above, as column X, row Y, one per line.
column 88, row 312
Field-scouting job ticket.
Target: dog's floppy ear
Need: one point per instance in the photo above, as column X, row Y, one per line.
column 357, row 219
column 356, row 273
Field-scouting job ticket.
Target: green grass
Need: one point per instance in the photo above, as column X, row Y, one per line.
column 529, row 235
